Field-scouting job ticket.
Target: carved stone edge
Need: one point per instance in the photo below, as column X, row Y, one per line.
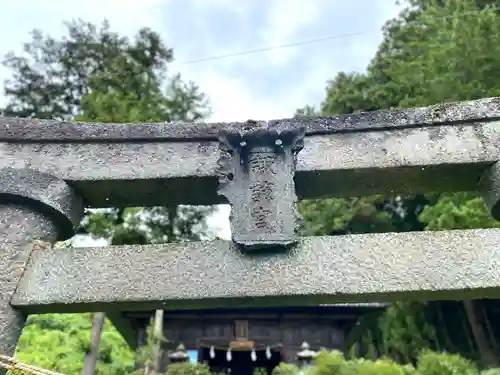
column 29, row 129
column 230, row 144
column 20, row 266
column 297, row 146
column 489, row 186
column 43, row 192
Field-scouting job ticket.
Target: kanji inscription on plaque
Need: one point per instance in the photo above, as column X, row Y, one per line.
column 256, row 170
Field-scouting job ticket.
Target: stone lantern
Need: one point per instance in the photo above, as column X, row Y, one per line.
column 306, row 355
column 179, row 355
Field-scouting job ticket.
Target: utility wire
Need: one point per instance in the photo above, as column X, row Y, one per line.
column 271, row 48
column 312, row 41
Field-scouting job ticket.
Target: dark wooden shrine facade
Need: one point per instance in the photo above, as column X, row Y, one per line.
column 278, row 330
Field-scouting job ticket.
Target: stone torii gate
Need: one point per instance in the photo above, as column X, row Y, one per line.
column 50, row 171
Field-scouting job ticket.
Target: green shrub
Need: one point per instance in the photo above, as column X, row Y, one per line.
column 429, row 363
column 432, row 363
column 188, row 369
column 328, row 363
column 334, row 363
column 286, row 369
column 409, row 370
column 378, row 367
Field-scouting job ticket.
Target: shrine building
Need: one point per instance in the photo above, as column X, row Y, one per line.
column 239, row 340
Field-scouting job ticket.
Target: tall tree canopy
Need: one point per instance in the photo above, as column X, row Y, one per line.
column 432, row 52
column 51, row 76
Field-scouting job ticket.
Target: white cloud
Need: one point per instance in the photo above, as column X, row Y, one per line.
column 219, row 221
column 238, row 8
column 284, row 19
column 389, row 9
column 232, row 101
column 230, row 97
column 126, row 15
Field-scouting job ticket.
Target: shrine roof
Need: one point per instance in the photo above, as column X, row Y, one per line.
column 324, row 308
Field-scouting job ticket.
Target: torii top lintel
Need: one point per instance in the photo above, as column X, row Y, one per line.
column 27, row 129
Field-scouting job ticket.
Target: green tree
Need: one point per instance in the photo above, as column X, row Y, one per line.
column 446, row 52
column 432, row 52
column 50, row 78
column 442, row 51
column 59, row 341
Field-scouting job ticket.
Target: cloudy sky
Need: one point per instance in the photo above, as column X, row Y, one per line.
column 257, row 86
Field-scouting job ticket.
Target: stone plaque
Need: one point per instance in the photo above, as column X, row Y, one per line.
column 256, row 170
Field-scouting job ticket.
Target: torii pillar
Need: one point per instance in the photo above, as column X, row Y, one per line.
column 36, row 210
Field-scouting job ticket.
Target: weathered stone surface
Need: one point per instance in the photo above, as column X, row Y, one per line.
column 356, row 268
column 111, row 174
column 490, row 189
column 25, row 130
column 44, row 193
column 35, row 210
column 22, row 228
column 439, row 148
column 256, row 174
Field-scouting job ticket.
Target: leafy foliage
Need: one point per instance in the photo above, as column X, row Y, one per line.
column 58, row 342
column 432, row 52
column 188, row 369
column 52, row 76
column 429, row 363
column 285, row 369
column 334, row 363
